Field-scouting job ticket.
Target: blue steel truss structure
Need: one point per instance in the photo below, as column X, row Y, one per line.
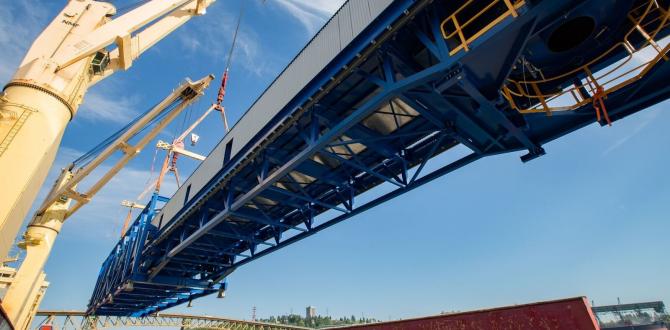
column 422, row 77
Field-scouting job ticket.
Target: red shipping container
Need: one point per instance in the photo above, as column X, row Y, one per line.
column 567, row 314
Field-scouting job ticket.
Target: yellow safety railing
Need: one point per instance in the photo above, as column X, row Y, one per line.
column 467, row 23
column 648, row 24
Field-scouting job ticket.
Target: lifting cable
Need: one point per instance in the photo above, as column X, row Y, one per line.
column 170, row 162
column 151, row 183
column 224, row 78
column 218, row 106
column 86, row 158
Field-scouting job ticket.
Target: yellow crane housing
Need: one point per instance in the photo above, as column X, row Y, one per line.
column 84, row 44
column 68, row 57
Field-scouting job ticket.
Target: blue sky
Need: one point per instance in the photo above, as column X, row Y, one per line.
column 589, row 218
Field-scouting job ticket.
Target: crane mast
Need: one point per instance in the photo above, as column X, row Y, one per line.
column 83, row 44
column 64, row 199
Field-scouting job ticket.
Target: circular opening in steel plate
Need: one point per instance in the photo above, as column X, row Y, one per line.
column 571, row 34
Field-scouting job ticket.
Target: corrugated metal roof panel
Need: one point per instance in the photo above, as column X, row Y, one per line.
column 360, row 15
column 338, row 32
column 344, row 18
column 378, row 6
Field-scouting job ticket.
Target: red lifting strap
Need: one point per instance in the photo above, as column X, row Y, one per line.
column 222, row 89
column 599, row 104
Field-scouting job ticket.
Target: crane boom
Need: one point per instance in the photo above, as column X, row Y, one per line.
column 185, row 95
column 195, row 123
column 82, row 45
column 176, row 148
column 23, row 294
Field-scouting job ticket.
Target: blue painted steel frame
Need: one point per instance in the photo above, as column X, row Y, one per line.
column 346, row 133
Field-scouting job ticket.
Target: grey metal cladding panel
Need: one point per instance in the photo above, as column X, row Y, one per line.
column 330, row 42
column 313, row 60
column 155, row 221
column 331, row 39
column 310, row 61
column 352, row 18
column 378, row 6
column 360, row 15
column 207, row 170
column 314, row 56
column 262, row 111
column 297, row 73
column 344, row 18
column 336, row 41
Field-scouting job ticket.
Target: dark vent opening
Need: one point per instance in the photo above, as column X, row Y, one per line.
column 571, row 34
column 226, row 153
column 188, row 192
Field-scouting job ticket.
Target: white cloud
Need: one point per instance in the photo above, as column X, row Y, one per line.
column 202, row 38
column 325, row 8
column 20, row 23
column 312, row 14
column 649, row 117
column 106, row 107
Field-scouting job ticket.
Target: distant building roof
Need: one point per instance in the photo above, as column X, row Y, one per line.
column 657, row 306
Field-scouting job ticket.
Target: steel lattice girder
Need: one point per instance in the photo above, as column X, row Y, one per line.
column 399, row 100
column 80, row 321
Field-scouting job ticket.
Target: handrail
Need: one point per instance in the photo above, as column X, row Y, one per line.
column 610, row 79
column 459, row 27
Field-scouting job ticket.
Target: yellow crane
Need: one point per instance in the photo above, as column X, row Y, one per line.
column 27, row 286
column 84, row 44
column 173, row 150
column 177, row 147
